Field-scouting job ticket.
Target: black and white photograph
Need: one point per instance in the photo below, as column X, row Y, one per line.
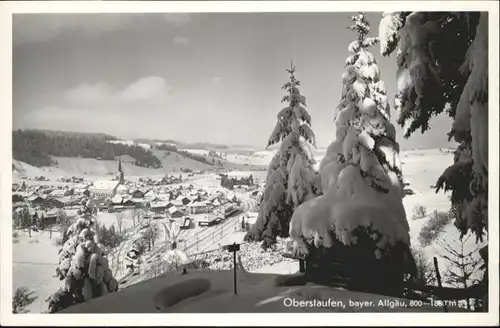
column 189, row 159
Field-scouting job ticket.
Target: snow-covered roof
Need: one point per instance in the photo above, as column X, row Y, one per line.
column 58, row 192
column 177, row 202
column 117, row 199
column 33, row 197
column 197, row 204
column 105, row 185
column 159, row 204
column 22, row 194
column 173, row 210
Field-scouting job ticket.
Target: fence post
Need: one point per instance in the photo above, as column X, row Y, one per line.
column 197, row 239
column 438, row 277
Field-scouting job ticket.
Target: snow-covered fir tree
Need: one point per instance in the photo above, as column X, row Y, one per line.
column 83, row 266
column 291, row 178
column 361, row 176
column 443, row 65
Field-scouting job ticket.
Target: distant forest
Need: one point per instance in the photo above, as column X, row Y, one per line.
column 36, row 147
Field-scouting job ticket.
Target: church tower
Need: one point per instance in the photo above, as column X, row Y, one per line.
column 120, row 175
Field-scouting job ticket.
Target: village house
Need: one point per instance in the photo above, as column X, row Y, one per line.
column 128, row 203
column 20, row 196
column 150, row 193
column 117, row 200
column 36, row 200
column 106, row 188
column 61, row 192
column 66, row 201
column 47, row 190
column 137, row 193
column 198, row 207
column 76, row 179
column 122, row 190
column 18, row 205
column 169, row 205
column 82, row 191
column 174, row 212
column 158, row 207
column 184, row 199
column 177, row 203
column 45, row 217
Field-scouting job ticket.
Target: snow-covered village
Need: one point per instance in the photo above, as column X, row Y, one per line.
column 342, row 167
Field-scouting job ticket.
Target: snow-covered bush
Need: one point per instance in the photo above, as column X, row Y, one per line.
column 109, row 237
column 361, row 174
column 83, row 266
column 443, row 65
column 291, row 178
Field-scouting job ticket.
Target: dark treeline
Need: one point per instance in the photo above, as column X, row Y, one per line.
column 36, row 147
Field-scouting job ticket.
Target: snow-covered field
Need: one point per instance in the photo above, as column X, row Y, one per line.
column 35, row 260
column 212, row 292
column 34, row 264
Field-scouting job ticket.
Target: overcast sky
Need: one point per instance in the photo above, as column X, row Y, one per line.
column 190, row 77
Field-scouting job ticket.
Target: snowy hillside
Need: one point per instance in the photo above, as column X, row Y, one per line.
column 211, row 292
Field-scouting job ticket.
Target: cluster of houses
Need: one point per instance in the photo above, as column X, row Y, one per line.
column 44, row 202
column 165, row 197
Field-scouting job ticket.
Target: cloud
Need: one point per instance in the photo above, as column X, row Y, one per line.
column 216, row 79
column 178, row 19
column 182, row 40
column 30, row 28
column 91, row 107
column 147, row 89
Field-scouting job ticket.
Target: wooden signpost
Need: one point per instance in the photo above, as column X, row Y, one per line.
column 233, row 248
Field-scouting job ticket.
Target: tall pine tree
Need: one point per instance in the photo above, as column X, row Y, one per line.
column 443, row 65
column 291, row 178
column 442, row 60
column 361, row 174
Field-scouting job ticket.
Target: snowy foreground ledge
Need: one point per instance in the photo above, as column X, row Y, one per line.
column 212, row 292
